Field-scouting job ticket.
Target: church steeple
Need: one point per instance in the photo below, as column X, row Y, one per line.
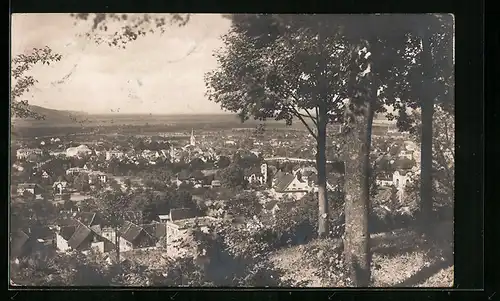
column 192, row 140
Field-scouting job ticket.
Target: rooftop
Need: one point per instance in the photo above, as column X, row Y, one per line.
column 193, row 222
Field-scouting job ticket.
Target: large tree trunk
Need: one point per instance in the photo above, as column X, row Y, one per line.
column 357, row 199
column 321, row 166
column 427, row 107
column 117, row 249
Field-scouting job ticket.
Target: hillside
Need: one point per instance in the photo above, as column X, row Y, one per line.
column 51, row 116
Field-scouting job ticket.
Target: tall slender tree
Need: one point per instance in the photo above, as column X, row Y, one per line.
column 426, row 80
column 112, row 205
column 287, row 68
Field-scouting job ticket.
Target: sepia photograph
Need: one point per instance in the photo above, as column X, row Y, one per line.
column 232, row 150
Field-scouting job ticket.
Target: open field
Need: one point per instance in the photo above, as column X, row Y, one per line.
column 143, row 124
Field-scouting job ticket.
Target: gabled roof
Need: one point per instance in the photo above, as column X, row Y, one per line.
column 209, row 172
column 404, row 163
column 181, row 213
column 27, row 185
column 183, row 175
column 66, row 221
column 403, row 172
column 19, row 239
column 82, row 232
column 250, row 171
column 67, row 232
column 198, row 175
column 284, row 181
column 87, row 218
column 62, row 183
column 130, row 232
column 270, row 205
column 156, row 230
column 278, row 175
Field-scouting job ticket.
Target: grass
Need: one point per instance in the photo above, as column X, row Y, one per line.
column 400, row 259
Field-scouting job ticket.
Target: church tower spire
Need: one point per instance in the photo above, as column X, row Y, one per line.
column 192, row 140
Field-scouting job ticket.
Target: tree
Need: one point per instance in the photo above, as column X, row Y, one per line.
column 22, row 83
column 117, row 30
column 81, row 182
column 232, row 176
column 68, row 205
column 286, row 67
column 428, row 74
column 112, row 205
column 244, row 204
column 443, row 148
column 223, row 162
column 196, row 164
column 127, row 183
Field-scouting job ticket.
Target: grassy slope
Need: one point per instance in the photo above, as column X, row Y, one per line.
column 400, row 259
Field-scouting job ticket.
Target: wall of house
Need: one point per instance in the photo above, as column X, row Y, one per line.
column 297, row 185
column 384, row 182
column 98, row 246
column 173, row 233
column 61, row 243
column 86, row 244
column 399, row 180
column 125, row 245
column 109, row 234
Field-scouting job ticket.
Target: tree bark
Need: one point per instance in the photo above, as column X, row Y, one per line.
column 357, row 198
column 427, row 111
column 117, row 248
column 321, row 167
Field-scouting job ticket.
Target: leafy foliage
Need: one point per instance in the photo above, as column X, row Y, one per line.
column 117, row 30
column 21, row 83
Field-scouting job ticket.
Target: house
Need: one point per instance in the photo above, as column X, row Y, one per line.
column 158, row 231
column 289, row 185
column 24, row 153
column 21, row 244
column 164, row 218
column 77, row 236
column 133, row 236
column 384, row 180
column 32, row 188
column 76, row 171
column 183, row 176
column 256, row 175
column 178, row 229
column 89, row 219
column 60, row 187
column 45, row 174
column 273, row 206
column 181, row 213
column 78, row 151
column 215, row 183
column 401, row 178
column 73, row 237
column 97, row 176
column 114, row 154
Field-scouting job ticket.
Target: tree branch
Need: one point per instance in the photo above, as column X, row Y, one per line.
column 296, row 113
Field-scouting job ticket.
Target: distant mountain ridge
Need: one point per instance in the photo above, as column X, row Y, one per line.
column 55, row 116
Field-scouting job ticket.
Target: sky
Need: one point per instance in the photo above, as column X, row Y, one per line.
column 154, row 74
